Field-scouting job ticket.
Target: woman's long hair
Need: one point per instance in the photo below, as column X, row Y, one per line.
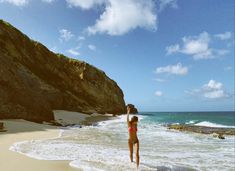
column 134, row 119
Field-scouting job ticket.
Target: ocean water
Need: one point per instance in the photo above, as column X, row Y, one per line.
column 211, row 119
column 103, row 147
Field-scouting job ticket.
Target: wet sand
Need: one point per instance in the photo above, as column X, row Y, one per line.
column 20, row 130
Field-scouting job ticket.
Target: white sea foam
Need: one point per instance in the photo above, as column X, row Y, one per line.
column 191, row 122
column 104, row 148
column 210, row 124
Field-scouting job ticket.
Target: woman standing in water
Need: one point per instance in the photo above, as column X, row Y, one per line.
column 133, row 139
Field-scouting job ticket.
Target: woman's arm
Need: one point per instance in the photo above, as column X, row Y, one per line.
column 127, row 118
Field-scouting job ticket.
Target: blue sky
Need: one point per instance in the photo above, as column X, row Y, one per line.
column 166, row 55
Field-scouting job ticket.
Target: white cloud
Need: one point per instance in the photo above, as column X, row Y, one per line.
column 197, row 46
column 92, row 47
column 172, row 49
column 120, row 17
column 22, row 2
column 73, row 52
column 177, row 69
column 165, row 3
column 48, row 1
column 65, row 35
column 117, row 17
column 158, row 93
column 215, row 94
column 80, row 38
column 224, row 36
column 211, row 90
column 85, row 4
column 213, row 85
column 16, row 2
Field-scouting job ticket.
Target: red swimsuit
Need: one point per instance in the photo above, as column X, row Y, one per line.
column 132, row 128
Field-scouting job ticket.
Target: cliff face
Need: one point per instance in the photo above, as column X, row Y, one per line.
column 34, row 81
column 133, row 109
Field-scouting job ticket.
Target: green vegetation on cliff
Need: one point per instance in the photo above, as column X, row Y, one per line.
column 34, row 81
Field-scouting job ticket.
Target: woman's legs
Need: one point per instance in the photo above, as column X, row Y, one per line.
column 137, row 154
column 131, row 150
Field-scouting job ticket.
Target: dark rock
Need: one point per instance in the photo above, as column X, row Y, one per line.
column 220, row 136
column 55, row 123
column 1, row 125
column 203, row 129
column 133, row 110
column 34, row 81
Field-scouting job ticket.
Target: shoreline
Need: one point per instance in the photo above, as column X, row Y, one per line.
column 18, row 130
column 11, row 161
column 21, row 130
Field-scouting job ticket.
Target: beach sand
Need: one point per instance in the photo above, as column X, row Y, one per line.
column 21, row 130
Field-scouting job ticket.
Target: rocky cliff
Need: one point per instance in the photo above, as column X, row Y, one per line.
column 34, row 81
column 133, row 109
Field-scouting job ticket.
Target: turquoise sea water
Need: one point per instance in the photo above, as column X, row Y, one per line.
column 214, row 119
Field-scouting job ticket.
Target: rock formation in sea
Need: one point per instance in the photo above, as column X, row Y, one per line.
column 215, row 131
column 34, row 81
column 133, row 109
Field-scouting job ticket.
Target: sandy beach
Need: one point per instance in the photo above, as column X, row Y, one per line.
column 75, row 148
column 21, row 130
